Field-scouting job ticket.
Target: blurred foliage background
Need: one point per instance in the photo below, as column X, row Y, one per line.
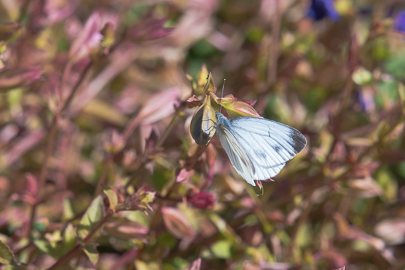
column 98, row 168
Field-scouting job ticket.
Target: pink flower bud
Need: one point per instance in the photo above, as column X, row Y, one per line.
column 202, row 200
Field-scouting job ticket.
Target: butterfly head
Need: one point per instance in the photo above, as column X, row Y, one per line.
column 222, row 120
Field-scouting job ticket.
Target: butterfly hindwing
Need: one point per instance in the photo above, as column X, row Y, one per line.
column 237, row 155
column 258, row 148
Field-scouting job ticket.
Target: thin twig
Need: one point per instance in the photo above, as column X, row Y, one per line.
column 76, row 87
column 51, row 142
column 105, row 174
column 42, row 174
column 168, row 130
column 23, row 10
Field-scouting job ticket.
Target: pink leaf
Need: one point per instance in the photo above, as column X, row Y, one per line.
column 177, row 223
column 22, row 146
column 195, row 265
column 91, row 35
column 159, row 106
column 21, row 77
column 184, row 175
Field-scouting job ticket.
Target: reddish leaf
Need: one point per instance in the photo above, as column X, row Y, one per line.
column 177, row 223
column 235, row 107
column 16, row 78
column 159, row 106
column 193, row 101
column 184, row 175
column 149, row 29
column 20, row 147
column 31, row 194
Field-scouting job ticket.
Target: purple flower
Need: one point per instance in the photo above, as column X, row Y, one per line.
column 399, row 21
column 321, row 9
column 365, row 100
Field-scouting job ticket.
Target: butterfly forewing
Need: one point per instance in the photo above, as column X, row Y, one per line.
column 279, row 134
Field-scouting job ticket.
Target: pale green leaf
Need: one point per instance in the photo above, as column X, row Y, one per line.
column 91, row 253
column 141, row 265
column 68, row 212
column 112, row 198
column 93, row 215
column 222, row 249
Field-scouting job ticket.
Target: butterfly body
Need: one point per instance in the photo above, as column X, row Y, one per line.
column 258, row 148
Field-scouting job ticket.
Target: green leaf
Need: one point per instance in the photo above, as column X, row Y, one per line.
column 91, row 253
column 362, row 76
column 388, row 184
column 202, row 49
column 303, row 236
column 160, row 177
column 69, row 236
column 43, row 246
column 57, row 243
column 222, row 249
column 105, row 112
column 6, row 255
column 141, row 265
column 223, row 227
column 112, row 198
column 68, row 212
column 387, row 93
column 395, row 65
column 146, row 199
column 93, row 215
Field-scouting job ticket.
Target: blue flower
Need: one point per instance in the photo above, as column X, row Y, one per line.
column 321, row 9
column 399, row 21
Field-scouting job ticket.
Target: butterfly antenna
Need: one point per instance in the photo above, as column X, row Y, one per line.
column 222, row 95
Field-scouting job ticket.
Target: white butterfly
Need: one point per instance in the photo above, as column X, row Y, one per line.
column 258, row 148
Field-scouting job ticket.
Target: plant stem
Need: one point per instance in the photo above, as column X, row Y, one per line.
column 51, row 138
column 168, row 130
column 78, row 247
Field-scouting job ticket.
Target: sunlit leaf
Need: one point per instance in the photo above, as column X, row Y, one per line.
column 362, row 76
column 141, row 265
column 105, row 112
column 91, row 217
column 112, row 199
column 202, row 127
column 205, row 82
column 388, row 184
column 7, row 257
column 177, row 223
column 91, row 253
column 221, row 249
column 235, row 107
column 158, row 106
column 68, row 211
